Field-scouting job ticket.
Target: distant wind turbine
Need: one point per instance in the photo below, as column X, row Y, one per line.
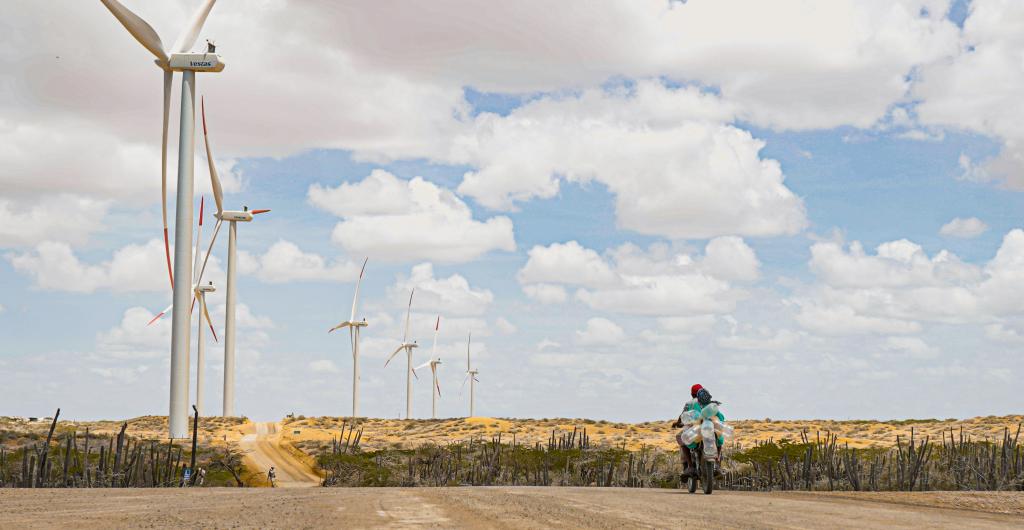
column 470, row 375
column 198, row 293
column 408, row 347
column 178, row 60
column 234, row 217
column 353, row 326
column 435, row 390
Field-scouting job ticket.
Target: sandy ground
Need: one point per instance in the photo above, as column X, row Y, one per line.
column 263, row 449
column 312, row 434
column 495, row 508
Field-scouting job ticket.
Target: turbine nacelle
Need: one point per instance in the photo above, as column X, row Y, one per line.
column 244, row 216
column 207, row 288
column 194, row 62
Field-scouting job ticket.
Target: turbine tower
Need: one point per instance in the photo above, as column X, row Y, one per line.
column 234, row 217
column 470, row 375
column 408, row 347
column 435, row 390
column 353, row 326
column 178, row 60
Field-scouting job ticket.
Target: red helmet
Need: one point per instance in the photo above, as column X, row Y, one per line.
column 694, row 389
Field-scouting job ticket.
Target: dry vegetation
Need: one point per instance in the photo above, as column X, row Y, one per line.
column 315, row 434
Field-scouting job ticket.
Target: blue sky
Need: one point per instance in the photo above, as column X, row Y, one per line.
column 613, row 218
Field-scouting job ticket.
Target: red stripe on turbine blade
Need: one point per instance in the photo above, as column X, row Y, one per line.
column 157, row 317
column 438, row 325
column 213, row 331
column 193, row 308
column 167, row 253
column 202, row 202
column 255, row 212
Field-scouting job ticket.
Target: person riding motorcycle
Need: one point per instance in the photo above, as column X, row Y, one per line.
column 701, row 399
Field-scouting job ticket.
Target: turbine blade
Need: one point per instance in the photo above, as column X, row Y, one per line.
column 257, row 212
column 339, row 326
column 463, row 384
column 168, row 80
column 415, row 375
column 160, row 314
column 438, row 386
column 405, row 335
column 140, row 29
column 393, row 354
column 468, row 342
column 355, row 299
column 218, row 192
column 191, row 32
column 199, row 241
column 206, row 314
column 216, row 230
column 424, row 365
column 437, row 327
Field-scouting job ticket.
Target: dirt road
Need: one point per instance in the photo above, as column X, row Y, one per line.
column 263, row 449
column 496, row 508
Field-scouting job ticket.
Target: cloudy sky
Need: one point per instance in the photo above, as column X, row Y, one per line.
column 812, row 208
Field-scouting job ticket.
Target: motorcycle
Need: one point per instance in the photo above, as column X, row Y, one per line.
column 705, row 468
column 705, row 458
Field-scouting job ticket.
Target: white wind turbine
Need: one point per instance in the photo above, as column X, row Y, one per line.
column 470, row 375
column 435, row 390
column 178, row 60
column 353, row 326
column 233, row 217
column 408, row 347
column 199, row 294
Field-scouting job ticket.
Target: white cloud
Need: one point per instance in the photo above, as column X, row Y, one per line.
column 844, row 320
column 1000, row 332
column 730, row 258
column 894, row 290
column 657, row 281
column 784, row 65
column 451, row 296
column 393, row 219
column 120, row 374
column 285, row 262
column 503, row 325
column 964, row 228
column 674, row 168
column 546, row 293
column 977, row 89
column 55, row 267
column 913, row 346
column 324, row 366
column 60, row 218
column 600, row 331
column 567, row 263
column 546, row 344
column 763, row 340
column 135, row 338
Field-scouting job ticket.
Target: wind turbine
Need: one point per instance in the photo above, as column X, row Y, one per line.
column 353, row 326
column 435, row 390
column 199, row 294
column 234, row 217
column 470, row 375
column 178, row 60
column 408, row 347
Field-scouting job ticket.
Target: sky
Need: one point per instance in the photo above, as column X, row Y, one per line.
column 811, row 208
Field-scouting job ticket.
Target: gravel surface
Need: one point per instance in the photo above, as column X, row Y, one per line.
column 495, row 508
